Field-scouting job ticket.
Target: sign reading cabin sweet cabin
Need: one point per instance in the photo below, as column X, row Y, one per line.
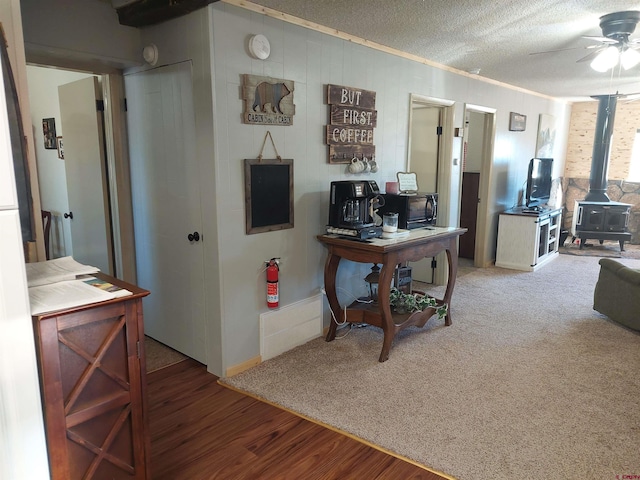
column 352, row 120
column 267, row 101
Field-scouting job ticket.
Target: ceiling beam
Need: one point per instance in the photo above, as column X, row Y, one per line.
column 149, row 12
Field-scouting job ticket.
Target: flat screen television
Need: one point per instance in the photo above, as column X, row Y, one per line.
column 539, row 181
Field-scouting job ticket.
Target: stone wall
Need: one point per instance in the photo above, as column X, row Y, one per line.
column 576, row 189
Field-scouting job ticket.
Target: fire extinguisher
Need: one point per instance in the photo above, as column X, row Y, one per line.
column 272, row 282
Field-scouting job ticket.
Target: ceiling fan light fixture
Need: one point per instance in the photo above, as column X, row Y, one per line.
column 629, row 58
column 606, row 59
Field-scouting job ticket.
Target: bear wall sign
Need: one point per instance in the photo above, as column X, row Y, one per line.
column 267, row 101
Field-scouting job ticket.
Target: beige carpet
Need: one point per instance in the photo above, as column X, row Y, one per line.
column 158, row 355
column 529, row 382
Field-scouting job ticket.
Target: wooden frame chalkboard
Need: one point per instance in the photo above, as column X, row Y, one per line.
column 268, row 195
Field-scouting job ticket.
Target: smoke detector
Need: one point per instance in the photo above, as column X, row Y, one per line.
column 150, row 54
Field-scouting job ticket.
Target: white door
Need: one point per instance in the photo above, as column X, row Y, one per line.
column 423, row 160
column 166, row 206
column 85, row 168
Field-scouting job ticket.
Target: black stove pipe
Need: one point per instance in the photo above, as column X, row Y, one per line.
column 602, row 148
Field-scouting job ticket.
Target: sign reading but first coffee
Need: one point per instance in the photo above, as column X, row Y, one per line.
column 352, row 120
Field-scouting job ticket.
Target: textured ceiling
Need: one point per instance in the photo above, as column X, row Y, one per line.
column 497, row 37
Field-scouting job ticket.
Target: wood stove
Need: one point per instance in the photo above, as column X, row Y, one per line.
column 596, row 217
column 601, row 221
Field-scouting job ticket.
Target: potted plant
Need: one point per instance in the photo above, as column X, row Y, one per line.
column 413, row 302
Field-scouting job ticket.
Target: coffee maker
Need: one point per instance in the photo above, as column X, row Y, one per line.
column 352, row 209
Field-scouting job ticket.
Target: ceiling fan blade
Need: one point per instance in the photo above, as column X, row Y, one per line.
column 600, row 39
column 631, row 97
column 589, row 47
column 590, row 56
column 558, row 50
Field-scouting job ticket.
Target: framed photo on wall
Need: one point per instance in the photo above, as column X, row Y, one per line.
column 546, row 136
column 49, row 132
column 517, row 122
column 60, row 148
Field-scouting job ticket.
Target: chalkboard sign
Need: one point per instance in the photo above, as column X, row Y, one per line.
column 268, row 192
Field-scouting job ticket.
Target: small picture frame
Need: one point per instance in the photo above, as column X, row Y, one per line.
column 517, row 122
column 407, row 182
column 49, row 133
column 60, row 148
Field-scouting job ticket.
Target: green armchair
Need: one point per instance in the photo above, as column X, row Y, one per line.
column 617, row 293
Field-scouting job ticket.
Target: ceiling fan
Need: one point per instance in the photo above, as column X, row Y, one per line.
column 614, row 46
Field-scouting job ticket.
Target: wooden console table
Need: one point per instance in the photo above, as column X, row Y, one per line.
column 420, row 243
column 93, row 382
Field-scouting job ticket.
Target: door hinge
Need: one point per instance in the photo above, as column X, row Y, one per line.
column 439, row 130
column 138, row 348
column 100, row 105
column 434, row 263
column 125, row 105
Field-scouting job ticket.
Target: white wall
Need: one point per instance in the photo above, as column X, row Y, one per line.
column 23, row 451
column 43, row 98
column 233, row 262
column 313, row 60
column 77, row 32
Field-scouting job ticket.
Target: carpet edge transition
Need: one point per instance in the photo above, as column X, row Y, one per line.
column 334, row 429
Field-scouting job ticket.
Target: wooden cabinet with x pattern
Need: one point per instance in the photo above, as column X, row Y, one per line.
column 92, row 375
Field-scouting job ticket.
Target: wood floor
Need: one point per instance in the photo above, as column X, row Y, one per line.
column 201, row 430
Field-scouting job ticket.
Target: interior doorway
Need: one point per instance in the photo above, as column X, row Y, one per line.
column 425, row 134
column 479, row 134
column 110, row 197
column 429, row 155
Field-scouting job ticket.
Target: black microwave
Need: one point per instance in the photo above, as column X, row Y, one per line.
column 414, row 210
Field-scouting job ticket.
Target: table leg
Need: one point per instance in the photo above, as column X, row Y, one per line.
column 330, row 270
column 384, row 289
column 452, row 258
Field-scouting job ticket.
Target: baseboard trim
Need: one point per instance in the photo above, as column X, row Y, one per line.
column 241, row 367
column 252, row 362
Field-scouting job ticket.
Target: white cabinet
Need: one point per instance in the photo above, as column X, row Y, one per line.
column 526, row 241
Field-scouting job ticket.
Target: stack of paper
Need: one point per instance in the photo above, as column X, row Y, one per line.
column 52, row 271
column 54, row 285
column 66, row 294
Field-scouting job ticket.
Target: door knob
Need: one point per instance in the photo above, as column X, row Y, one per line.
column 69, row 215
column 193, row 237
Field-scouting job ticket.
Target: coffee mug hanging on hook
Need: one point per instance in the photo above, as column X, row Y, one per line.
column 356, row 165
column 373, row 165
column 365, row 161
